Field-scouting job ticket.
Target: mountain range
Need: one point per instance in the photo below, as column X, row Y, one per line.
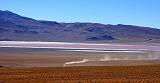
column 14, row 27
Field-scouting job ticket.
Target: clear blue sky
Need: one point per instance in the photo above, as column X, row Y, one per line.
column 133, row 12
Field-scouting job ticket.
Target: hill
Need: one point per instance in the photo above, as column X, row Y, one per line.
column 14, row 27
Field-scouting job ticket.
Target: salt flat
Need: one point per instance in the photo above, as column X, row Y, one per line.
column 68, row 45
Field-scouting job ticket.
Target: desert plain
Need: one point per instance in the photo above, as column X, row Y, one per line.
column 79, row 64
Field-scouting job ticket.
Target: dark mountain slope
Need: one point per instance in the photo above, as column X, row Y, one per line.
column 18, row 28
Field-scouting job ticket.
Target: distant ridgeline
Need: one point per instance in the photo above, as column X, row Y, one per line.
column 18, row 28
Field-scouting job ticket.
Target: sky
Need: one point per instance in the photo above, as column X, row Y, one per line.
column 129, row 12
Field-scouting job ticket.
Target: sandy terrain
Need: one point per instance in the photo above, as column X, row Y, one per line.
column 40, row 58
column 107, row 74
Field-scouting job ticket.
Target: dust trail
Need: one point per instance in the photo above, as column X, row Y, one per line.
column 109, row 58
column 106, row 58
column 76, row 62
column 150, row 56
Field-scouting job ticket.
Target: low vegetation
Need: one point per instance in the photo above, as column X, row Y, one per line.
column 111, row 74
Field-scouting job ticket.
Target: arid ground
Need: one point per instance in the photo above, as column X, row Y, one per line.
column 101, row 74
column 78, row 67
column 19, row 57
column 54, row 65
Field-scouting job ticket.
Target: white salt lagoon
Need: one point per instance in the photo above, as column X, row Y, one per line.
column 74, row 46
